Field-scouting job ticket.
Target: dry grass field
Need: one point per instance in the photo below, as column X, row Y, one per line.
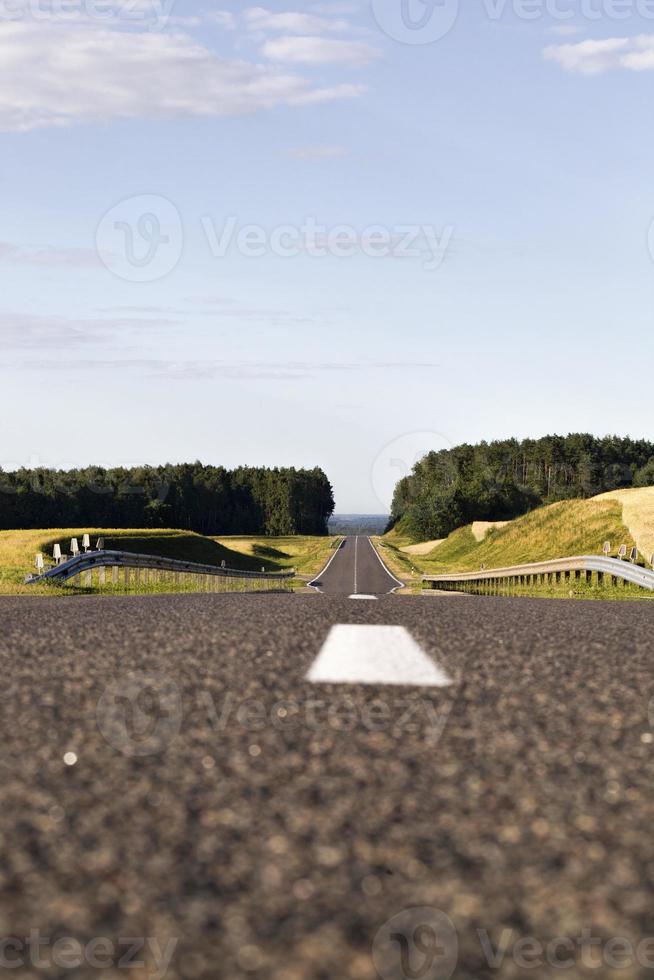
column 637, row 515
column 18, row 551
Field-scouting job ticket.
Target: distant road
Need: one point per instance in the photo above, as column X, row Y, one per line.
column 356, row 569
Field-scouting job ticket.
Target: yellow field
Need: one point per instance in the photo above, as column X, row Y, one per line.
column 306, row 553
column 637, row 515
column 18, row 551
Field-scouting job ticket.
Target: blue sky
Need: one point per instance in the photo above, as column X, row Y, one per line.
column 320, row 234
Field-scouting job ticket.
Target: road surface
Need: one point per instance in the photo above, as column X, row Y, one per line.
column 169, row 773
column 356, row 569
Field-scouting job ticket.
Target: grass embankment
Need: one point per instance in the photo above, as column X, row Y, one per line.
column 571, row 527
column 637, row 514
column 18, row 550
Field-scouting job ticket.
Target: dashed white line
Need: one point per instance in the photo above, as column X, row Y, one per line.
column 354, row 654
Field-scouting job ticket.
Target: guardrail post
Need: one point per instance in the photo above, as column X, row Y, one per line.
column 114, row 575
column 102, row 575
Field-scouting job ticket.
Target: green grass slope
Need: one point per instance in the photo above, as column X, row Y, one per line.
column 18, row 550
column 570, row 527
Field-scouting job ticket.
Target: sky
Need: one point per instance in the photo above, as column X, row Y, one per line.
column 333, row 234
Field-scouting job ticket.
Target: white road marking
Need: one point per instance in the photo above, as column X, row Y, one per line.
column 356, row 551
column 400, row 585
column 375, row 655
column 360, row 596
column 322, row 571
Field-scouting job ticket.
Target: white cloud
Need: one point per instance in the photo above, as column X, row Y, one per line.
column 291, row 22
column 339, row 7
column 565, row 30
column 21, row 331
column 55, row 257
column 320, row 51
column 210, row 370
column 224, row 18
column 56, row 75
column 596, row 57
column 317, row 152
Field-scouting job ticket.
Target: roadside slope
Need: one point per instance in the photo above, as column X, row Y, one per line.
column 570, row 527
column 637, row 515
column 18, row 549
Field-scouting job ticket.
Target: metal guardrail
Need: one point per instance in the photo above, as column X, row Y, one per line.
column 537, row 572
column 86, row 563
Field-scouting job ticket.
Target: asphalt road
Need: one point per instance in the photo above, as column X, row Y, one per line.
column 267, row 827
column 356, row 569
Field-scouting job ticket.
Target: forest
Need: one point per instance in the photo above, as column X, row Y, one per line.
column 504, row 479
column 206, row 499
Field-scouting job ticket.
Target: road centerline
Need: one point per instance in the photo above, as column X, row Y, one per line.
column 356, row 555
column 385, row 655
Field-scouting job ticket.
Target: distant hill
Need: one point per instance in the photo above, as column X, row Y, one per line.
column 358, row 523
